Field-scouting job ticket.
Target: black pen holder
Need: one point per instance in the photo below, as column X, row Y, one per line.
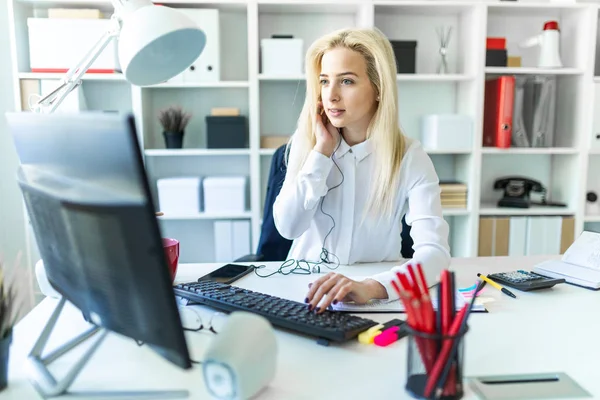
column 424, row 351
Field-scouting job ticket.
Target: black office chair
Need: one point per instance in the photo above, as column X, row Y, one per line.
column 272, row 246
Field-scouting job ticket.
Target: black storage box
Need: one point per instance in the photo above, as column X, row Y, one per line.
column 496, row 58
column 405, row 52
column 226, row 132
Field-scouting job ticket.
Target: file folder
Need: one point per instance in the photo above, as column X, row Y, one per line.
column 534, row 111
column 498, row 111
column 519, row 133
column 539, row 110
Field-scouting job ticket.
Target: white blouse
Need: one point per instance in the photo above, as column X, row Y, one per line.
column 323, row 208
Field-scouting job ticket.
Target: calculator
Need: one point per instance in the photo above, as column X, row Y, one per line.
column 524, row 280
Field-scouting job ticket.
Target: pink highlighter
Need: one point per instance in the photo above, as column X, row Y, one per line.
column 389, row 336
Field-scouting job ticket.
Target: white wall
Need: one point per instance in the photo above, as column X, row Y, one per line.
column 12, row 228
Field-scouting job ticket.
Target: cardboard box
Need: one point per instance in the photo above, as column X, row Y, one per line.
column 75, row 13
column 513, row 61
column 224, row 112
column 273, row 142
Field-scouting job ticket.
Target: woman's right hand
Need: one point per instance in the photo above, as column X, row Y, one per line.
column 328, row 135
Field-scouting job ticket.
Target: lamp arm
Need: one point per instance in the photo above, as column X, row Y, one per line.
column 72, row 79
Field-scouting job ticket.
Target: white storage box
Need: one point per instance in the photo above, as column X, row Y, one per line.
column 224, row 194
column 56, row 45
column 179, row 196
column 282, row 56
column 447, row 132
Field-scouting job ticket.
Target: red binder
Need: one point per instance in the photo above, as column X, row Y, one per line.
column 498, row 111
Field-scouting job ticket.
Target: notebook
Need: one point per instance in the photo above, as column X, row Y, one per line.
column 396, row 306
column 580, row 265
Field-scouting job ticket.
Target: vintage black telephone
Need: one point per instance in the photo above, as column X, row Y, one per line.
column 517, row 191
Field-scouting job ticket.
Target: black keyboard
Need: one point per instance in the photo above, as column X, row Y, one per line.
column 282, row 313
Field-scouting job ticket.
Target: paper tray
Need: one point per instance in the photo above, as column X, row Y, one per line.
column 556, row 385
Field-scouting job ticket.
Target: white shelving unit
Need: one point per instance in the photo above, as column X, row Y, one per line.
column 272, row 103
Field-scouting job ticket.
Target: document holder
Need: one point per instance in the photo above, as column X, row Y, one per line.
column 557, row 385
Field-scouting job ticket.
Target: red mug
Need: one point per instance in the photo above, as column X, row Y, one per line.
column 171, row 248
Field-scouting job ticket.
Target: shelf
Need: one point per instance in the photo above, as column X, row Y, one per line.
column 103, row 4
column 267, row 77
column 459, row 151
column 433, row 77
column 195, row 152
column 243, row 23
column 86, row 77
column 530, row 9
column 453, row 212
column 266, row 152
column 428, row 8
column 532, row 71
column 530, row 150
column 223, row 5
column 306, row 7
column 399, row 77
column 491, row 209
column 219, row 84
column 204, row 216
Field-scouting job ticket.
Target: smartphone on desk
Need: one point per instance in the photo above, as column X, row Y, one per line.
column 227, row 273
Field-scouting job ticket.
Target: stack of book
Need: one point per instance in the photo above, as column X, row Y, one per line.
column 454, row 194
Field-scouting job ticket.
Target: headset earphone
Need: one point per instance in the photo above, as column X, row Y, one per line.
column 305, row 267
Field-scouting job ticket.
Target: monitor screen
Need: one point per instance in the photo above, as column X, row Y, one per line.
column 88, row 199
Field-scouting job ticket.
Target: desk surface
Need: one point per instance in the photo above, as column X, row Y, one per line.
column 556, row 330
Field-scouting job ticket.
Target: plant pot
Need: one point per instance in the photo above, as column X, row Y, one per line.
column 4, row 351
column 173, row 140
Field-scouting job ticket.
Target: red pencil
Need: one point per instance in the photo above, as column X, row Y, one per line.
column 415, row 282
column 414, row 302
column 427, row 347
column 426, row 300
column 409, row 314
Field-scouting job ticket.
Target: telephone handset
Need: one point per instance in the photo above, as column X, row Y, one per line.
column 517, row 191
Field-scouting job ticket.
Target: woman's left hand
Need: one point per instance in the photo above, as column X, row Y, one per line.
column 334, row 287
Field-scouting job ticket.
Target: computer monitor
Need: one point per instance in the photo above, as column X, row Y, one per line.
column 89, row 202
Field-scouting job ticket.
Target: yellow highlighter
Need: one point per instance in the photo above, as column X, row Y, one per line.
column 497, row 286
column 368, row 336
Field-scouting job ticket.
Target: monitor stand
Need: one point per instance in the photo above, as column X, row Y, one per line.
column 47, row 385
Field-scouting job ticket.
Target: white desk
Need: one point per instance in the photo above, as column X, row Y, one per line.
column 550, row 331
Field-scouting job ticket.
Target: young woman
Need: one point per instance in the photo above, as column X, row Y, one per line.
column 352, row 175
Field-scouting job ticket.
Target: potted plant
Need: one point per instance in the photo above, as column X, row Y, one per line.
column 11, row 304
column 174, row 121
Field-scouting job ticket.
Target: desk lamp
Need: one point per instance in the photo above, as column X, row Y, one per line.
column 156, row 43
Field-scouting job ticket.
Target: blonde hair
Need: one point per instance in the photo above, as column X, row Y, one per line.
column 383, row 130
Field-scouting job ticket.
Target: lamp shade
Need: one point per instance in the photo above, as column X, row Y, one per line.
column 157, row 43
